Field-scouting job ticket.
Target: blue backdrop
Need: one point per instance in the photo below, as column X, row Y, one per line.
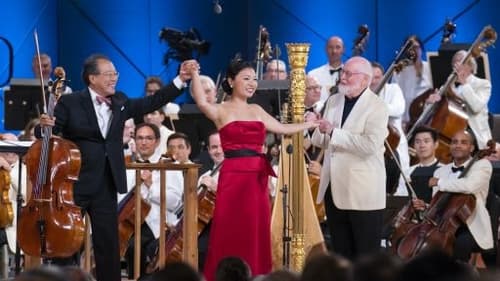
column 127, row 31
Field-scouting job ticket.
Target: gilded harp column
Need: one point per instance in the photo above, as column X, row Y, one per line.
column 297, row 57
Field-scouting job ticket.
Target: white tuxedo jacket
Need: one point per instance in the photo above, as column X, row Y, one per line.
column 354, row 154
column 476, row 94
column 476, row 182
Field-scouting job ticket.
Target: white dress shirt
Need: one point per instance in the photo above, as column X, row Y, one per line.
column 175, row 189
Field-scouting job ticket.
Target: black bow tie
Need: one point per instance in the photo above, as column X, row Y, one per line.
column 457, row 84
column 457, row 169
column 332, row 71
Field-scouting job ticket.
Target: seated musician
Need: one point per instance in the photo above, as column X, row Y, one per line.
column 209, row 179
column 147, row 138
column 425, row 143
column 156, row 118
column 392, row 96
column 477, row 234
column 313, row 106
column 9, row 162
column 475, row 93
column 179, row 145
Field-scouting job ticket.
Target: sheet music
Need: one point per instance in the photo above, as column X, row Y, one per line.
column 16, row 143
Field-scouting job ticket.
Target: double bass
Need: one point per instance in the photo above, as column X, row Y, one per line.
column 51, row 225
column 391, row 143
column 449, row 114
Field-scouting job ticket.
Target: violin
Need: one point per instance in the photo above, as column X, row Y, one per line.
column 51, row 225
column 446, row 213
column 6, row 210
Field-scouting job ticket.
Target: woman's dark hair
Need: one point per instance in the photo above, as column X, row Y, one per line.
column 235, row 66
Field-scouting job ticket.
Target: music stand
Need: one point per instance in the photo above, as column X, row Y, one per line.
column 195, row 125
column 22, row 102
column 440, row 63
column 270, row 95
column 20, row 148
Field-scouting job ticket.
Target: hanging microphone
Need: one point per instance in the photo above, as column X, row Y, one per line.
column 217, row 7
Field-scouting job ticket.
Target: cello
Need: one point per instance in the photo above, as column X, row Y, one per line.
column 448, row 115
column 446, row 213
column 51, row 225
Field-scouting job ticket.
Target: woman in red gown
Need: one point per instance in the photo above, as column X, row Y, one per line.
column 241, row 222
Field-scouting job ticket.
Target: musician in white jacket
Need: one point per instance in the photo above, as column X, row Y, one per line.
column 475, row 93
column 477, row 233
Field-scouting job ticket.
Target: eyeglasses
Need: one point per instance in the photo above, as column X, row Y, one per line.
column 109, row 74
column 147, row 138
column 348, row 73
column 313, row 88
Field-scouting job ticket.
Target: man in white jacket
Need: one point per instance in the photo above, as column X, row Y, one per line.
column 477, row 233
column 475, row 94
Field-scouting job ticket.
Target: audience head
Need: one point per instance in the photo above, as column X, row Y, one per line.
column 377, row 267
column 75, row 273
column 327, row 267
column 275, row 70
column 232, row 269
column 334, row 51
column 436, row 266
column 238, row 74
column 355, row 77
column 43, row 273
column 153, row 84
column 179, row 146
column 281, row 275
column 176, row 271
column 46, row 63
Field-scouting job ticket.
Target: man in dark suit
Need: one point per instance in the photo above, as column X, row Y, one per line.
column 94, row 119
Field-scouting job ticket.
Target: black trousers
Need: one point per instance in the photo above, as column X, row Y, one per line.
column 464, row 245
column 103, row 211
column 149, row 245
column 353, row 232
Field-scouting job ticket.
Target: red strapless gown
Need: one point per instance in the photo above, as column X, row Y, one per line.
column 241, row 221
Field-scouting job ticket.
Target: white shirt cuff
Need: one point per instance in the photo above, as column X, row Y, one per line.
column 178, row 83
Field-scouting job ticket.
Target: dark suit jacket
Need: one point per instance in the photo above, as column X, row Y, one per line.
column 76, row 121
